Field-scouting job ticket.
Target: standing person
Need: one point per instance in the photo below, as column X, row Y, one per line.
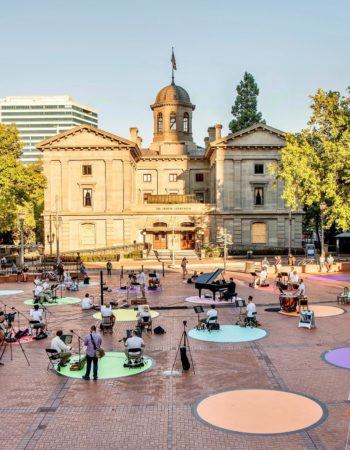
column 92, row 342
column 329, row 262
column 322, row 261
column 25, row 272
column 278, row 264
column 291, row 260
column 265, row 262
column 184, row 267
column 109, row 268
column 142, row 281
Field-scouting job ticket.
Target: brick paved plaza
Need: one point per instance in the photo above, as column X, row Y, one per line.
column 41, row 410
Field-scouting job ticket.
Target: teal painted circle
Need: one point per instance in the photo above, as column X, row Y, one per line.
column 11, row 292
column 58, row 302
column 228, row 333
column 110, row 366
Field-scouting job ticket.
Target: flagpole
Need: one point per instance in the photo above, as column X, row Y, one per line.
column 172, row 66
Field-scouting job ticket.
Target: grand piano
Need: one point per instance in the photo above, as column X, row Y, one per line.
column 210, row 281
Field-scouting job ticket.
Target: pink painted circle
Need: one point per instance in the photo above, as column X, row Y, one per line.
column 260, row 411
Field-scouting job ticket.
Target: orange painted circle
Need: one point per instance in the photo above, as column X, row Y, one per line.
column 260, row 411
column 319, row 310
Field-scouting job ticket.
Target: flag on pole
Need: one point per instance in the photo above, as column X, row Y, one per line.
column 173, row 60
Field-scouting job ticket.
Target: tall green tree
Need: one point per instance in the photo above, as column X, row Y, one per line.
column 315, row 164
column 21, row 189
column 245, row 108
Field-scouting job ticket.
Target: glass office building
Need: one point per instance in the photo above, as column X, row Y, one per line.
column 41, row 117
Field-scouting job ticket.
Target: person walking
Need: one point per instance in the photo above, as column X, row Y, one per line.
column 184, row 268
column 92, row 342
column 109, row 268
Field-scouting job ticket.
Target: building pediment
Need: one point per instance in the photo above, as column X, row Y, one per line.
column 87, row 137
column 258, row 135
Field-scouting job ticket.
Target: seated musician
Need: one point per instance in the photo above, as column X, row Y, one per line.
column 37, row 316
column 75, row 284
column 211, row 314
column 193, row 278
column 154, row 280
column 293, row 279
column 231, row 290
column 46, row 294
column 250, row 311
column 87, row 302
column 261, row 279
column 107, row 315
column 67, row 280
column 133, row 343
column 61, row 348
column 144, row 316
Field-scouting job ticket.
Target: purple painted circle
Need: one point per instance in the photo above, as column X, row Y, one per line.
column 329, row 277
column 339, row 357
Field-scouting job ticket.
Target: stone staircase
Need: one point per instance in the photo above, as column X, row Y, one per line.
column 167, row 255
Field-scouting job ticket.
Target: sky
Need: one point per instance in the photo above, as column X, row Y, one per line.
column 115, row 56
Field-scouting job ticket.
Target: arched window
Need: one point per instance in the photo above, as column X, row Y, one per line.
column 160, row 123
column 172, row 123
column 259, row 233
column 186, row 123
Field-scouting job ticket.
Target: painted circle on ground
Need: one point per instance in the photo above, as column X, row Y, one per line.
column 209, row 301
column 110, row 366
column 125, row 315
column 11, row 292
column 137, row 290
column 260, row 411
column 339, row 357
column 228, row 333
column 319, row 310
column 82, row 284
column 22, row 340
column 330, row 277
column 58, row 302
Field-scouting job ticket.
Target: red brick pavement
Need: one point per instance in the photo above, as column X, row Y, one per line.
column 40, row 410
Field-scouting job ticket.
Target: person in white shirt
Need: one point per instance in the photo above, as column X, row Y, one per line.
column 261, row 279
column 329, row 262
column 294, row 277
column 106, row 310
column 251, row 311
column 87, row 302
column 37, row 316
column 301, row 289
column 134, row 342
column 211, row 315
column 142, row 281
column 144, row 316
column 107, row 318
column 61, row 348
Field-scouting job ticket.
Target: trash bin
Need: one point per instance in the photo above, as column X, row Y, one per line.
column 249, row 267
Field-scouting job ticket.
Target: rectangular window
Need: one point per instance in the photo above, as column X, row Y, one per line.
column 87, row 197
column 199, row 177
column 145, row 198
column 87, row 170
column 258, row 168
column 200, row 197
column 147, row 178
column 172, row 177
column 258, row 196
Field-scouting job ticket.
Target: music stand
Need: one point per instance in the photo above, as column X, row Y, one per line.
column 241, row 315
column 198, row 310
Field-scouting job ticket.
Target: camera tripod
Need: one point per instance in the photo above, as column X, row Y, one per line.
column 182, row 348
column 10, row 339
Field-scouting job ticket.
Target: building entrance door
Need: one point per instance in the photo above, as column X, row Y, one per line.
column 160, row 240
column 187, row 240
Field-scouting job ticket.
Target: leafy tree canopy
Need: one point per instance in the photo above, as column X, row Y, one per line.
column 245, row 108
column 21, row 188
column 315, row 164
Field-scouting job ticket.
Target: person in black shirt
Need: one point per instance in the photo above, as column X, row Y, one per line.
column 231, row 290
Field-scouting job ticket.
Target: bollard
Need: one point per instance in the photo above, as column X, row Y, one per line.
column 163, row 269
column 122, row 274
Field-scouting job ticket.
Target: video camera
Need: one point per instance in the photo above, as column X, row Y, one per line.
column 10, row 317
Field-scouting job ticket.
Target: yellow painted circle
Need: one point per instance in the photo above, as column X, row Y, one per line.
column 125, row 315
column 319, row 310
column 260, row 411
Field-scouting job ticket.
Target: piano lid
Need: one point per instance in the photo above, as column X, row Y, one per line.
column 208, row 278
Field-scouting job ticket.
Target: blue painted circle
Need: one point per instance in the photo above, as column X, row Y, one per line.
column 228, row 333
column 11, row 292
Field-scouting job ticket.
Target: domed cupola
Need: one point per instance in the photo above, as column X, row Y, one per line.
column 172, row 113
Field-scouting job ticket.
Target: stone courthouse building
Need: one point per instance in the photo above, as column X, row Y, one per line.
column 104, row 190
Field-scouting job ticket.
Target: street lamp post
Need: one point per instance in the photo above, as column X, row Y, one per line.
column 173, row 246
column 200, row 241
column 144, row 233
column 323, row 207
column 51, row 236
column 58, row 223
column 290, row 233
column 225, row 250
column 21, row 225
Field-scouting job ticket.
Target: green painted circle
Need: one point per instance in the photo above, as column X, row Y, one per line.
column 110, row 366
column 125, row 315
column 59, row 302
